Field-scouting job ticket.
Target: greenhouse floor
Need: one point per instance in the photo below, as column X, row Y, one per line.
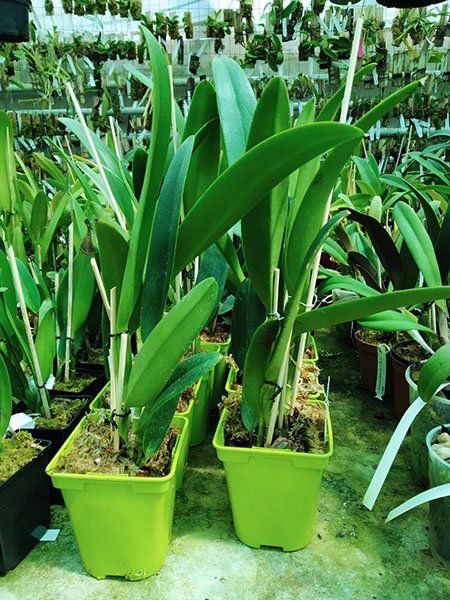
column 353, row 554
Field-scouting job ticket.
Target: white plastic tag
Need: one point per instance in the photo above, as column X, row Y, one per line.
column 380, row 385
column 50, row 382
column 21, row 421
column 441, row 491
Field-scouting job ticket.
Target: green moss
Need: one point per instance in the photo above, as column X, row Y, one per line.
column 63, row 411
column 76, row 383
column 375, row 337
column 17, row 452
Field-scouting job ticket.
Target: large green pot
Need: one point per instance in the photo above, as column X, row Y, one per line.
column 273, row 493
column 122, row 524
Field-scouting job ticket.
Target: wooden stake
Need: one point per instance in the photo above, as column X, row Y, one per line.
column 115, row 137
column 93, row 149
column 316, row 263
column 112, row 367
column 120, row 383
column 101, row 286
column 58, row 331
column 276, row 292
column 26, row 322
column 174, row 114
column 69, row 307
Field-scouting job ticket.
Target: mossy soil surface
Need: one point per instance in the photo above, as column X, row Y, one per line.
column 15, row 453
column 353, row 554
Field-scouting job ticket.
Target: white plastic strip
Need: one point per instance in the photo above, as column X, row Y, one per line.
column 441, row 491
column 380, row 385
column 390, row 453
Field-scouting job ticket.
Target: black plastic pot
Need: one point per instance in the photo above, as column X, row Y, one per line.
column 24, row 510
column 92, row 389
column 14, row 21
column 59, row 436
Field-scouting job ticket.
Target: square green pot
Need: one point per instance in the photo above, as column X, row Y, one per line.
column 273, row 493
column 200, row 413
column 122, row 524
column 220, row 370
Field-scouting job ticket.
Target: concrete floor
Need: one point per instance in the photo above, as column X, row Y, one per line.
column 353, row 555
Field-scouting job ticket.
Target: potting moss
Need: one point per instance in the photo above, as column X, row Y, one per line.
column 93, row 452
column 375, row 337
column 185, row 399
column 220, row 334
column 76, row 383
column 63, row 410
column 16, row 452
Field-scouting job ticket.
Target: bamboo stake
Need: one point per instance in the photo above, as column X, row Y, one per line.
column 316, row 263
column 120, row 383
column 58, row 331
column 26, row 322
column 112, row 369
column 93, row 149
column 173, row 113
column 276, row 292
column 69, row 307
column 101, row 286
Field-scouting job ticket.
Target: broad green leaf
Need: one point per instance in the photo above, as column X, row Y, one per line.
column 204, row 166
column 228, row 250
column 256, row 362
column 442, row 246
column 434, row 373
column 6, row 400
column 248, row 314
column 263, row 226
column 50, row 167
column 139, row 165
column 46, row 344
column 29, row 287
column 391, row 320
column 345, row 282
column 383, row 246
column 7, row 164
column 332, row 248
column 158, row 426
column 360, row 262
column 159, row 143
column 38, row 221
column 112, row 248
column 186, row 374
column 164, row 239
column 53, row 225
column 235, row 193
column 368, row 174
column 418, row 241
column 164, row 347
column 354, row 310
column 83, row 293
column 236, row 103
column 214, row 265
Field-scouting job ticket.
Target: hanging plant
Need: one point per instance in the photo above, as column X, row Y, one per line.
column 188, row 26
column 173, row 27
column 141, row 53
column 67, row 6
column 136, row 9
column 265, row 47
column 302, row 88
column 124, row 7
column 318, row 6
column 160, row 25
column 293, row 12
column 49, row 8
column 238, row 32
column 194, row 64
column 101, row 7
column 216, row 29
column 113, row 7
column 91, row 7
column 275, row 15
column 180, row 53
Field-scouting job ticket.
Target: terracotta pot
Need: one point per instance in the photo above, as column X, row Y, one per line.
column 368, row 366
column 401, row 386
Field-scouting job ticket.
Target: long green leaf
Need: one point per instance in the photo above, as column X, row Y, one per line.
column 418, row 241
column 39, row 215
column 353, row 310
column 46, row 344
column 143, row 223
column 7, row 164
column 391, row 320
column 235, row 192
column 83, row 293
column 248, row 314
column 164, row 238
column 236, row 103
column 434, row 373
column 263, row 226
column 163, row 348
column 214, row 265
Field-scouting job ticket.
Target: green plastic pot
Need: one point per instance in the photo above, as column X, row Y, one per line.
column 273, row 493
column 122, row 524
column 439, row 510
column 200, row 412
column 97, row 401
column 220, row 370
